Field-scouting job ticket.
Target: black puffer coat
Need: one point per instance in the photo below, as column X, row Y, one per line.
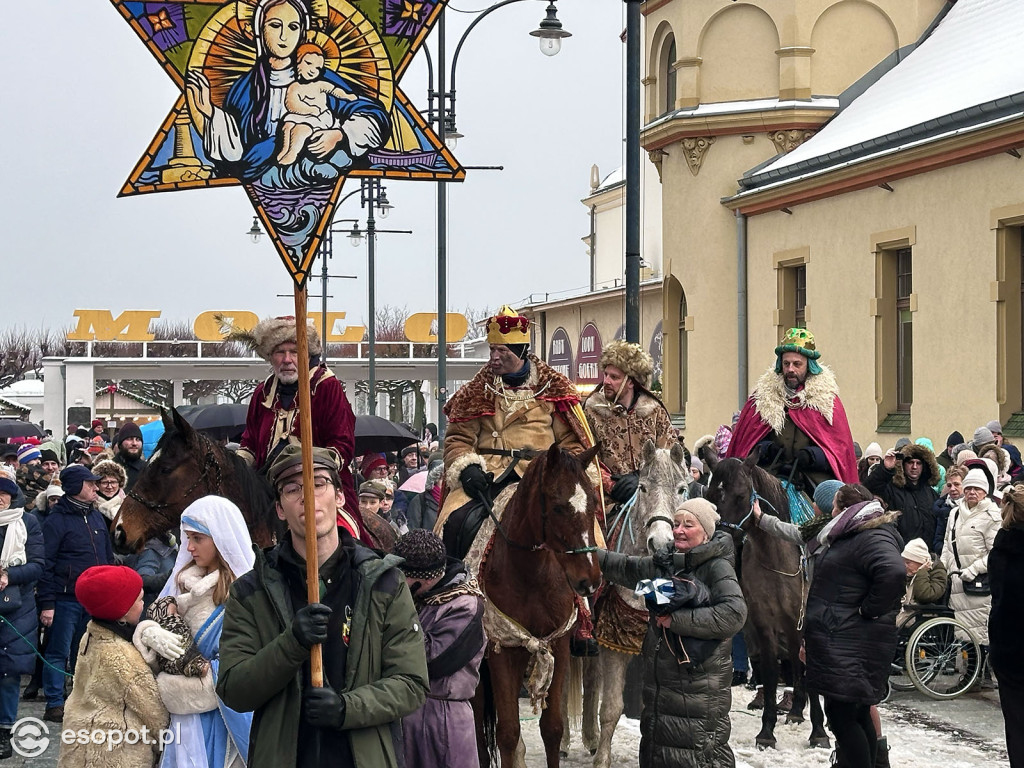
column 1006, row 620
column 685, row 720
column 850, row 632
column 914, row 500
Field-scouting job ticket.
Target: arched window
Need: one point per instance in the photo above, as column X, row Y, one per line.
column 667, row 74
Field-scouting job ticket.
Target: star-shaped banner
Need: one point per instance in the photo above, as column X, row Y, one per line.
column 288, row 98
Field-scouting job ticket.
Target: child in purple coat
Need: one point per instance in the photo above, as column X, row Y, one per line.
column 451, row 610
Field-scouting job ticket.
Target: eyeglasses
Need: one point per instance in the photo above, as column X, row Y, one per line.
column 108, row 481
column 293, row 491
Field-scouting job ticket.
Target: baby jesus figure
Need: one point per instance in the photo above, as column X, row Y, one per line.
column 192, row 663
column 306, row 102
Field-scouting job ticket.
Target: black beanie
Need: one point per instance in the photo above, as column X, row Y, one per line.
column 954, row 439
column 48, row 455
column 519, row 350
column 130, row 429
column 424, row 554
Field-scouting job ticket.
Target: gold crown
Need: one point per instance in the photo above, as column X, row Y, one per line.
column 508, row 327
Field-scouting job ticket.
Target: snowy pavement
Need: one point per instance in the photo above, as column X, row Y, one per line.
column 922, row 733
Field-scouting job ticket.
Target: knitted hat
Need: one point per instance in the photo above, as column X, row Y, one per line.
column 916, row 551
column 902, row 442
column 289, row 463
column 508, row 327
column 976, row 479
column 268, row 333
column 410, row 449
column 798, row 340
column 632, row 359
column 73, row 477
column 48, row 455
column 28, row 453
column 825, row 496
column 955, row 438
column 371, row 488
column 8, row 486
column 424, row 554
column 371, row 461
column 96, row 445
column 982, row 436
column 128, row 429
column 873, row 449
column 54, row 490
column 703, row 510
column 995, row 427
column 108, row 592
column 97, row 423
column 697, row 464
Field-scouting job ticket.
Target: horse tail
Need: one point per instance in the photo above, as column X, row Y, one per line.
column 574, row 698
column 490, row 717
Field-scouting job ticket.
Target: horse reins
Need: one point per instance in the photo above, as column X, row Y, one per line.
column 209, row 461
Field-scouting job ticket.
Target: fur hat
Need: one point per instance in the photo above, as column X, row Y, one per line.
column 268, row 333
column 631, row 359
column 916, row 551
column 110, row 468
column 930, row 473
column 825, row 496
column 424, row 554
column 508, row 327
column 108, row 592
column 704, row 511
column 798, row 340
column 977, row 479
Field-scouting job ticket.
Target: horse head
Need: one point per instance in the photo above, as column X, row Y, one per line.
column 731, row 488
column 664, row 485
column 184, row 467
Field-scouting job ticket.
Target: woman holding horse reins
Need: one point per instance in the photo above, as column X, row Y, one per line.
column 685, row 720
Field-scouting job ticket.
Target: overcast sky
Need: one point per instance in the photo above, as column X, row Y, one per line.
column 83, row 98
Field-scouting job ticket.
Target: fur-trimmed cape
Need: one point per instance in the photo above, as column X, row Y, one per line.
column 817, row 411
column 476, row 399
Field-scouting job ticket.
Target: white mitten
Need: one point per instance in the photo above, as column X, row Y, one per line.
column 167, row 644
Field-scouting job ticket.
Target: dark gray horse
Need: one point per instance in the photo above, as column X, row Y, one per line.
column 772, row 581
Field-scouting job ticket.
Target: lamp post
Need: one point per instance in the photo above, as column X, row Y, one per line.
column 441, row 110
column 633, row 171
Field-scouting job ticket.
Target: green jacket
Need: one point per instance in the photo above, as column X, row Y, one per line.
column 261, row 662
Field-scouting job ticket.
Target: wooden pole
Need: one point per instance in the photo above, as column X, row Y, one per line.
column 316, row 664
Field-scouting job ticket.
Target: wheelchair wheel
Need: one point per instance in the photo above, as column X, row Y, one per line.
column 899, row 680
column 943, row 658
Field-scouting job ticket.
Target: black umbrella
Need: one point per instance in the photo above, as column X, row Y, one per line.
column 376, row 434
column 221, row 421
column 19, row 428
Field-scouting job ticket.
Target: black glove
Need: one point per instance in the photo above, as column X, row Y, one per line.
column 310, row 624
column 664, row 560
column 767, row 452
column 323, row 708
column 475, row 482
column 812, row 458
column 625, row 486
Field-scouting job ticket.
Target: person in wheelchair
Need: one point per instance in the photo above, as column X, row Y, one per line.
column 927, row 580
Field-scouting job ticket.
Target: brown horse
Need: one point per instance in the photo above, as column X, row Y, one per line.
column 772, row 580
column 541, row 556
column 185, row 466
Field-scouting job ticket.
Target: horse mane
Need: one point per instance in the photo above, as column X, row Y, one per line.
column 770, row 489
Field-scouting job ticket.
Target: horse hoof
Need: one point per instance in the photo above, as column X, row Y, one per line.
column 820, row 742
column 791, row 719
column 562, row 754
column 765, row 743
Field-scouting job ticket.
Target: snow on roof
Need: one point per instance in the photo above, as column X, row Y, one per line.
column 715, row 108
column 972, row 58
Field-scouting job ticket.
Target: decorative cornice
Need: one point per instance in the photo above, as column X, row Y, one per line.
column 695, row 148
column 795, row 51
column 687, row 61
column 788, row 140
column 657, row 156
column 649, row 80
column 669, row 131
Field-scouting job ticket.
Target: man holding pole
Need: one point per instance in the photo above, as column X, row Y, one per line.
column 374, row 663
column 272, row 422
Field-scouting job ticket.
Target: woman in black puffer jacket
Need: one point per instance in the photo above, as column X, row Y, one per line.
column 685, row 721
column 850, row 633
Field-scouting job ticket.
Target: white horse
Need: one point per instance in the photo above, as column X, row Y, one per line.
column 638, row 528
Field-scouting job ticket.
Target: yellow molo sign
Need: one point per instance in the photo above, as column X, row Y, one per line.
column 133, row 325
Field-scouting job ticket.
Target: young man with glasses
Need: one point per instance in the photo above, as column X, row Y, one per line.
column 374, row 661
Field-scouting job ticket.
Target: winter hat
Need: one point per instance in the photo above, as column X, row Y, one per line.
column 963, row 452
column 632, row 359
column 268, row 334
column 703, row 510
column 48, row 455
column 108, row 592
column 697, row 464
column 289, row 463
column 995, row 427
column 96, row 445
column 976, row 479
column 28, row 453
column 424, row 554
column 73, row 477
column 982, row 436
column 128, row 429
column 54, row 490
column 410, row 449
column 825, row 495
column 9, row 487
column 97, row 423
column 370, row 488
column 857, row 450
column 955, row 438
column 902, row 442
column 110, row 468
column 371, row 461
column 874, row 449
column 798, row 340
column 8, row 450
column 916, row 551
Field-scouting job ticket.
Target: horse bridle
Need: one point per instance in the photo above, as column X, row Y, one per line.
column 543, row 531
column 209, row 461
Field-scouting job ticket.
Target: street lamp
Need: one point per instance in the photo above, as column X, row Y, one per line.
column 441, row 110
column 255, row 232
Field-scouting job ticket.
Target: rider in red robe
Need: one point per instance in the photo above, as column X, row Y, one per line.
column 796, row 417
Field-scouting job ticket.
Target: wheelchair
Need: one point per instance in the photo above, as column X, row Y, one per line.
column 937, row 655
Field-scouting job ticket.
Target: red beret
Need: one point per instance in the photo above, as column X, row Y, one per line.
column 108, row 591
